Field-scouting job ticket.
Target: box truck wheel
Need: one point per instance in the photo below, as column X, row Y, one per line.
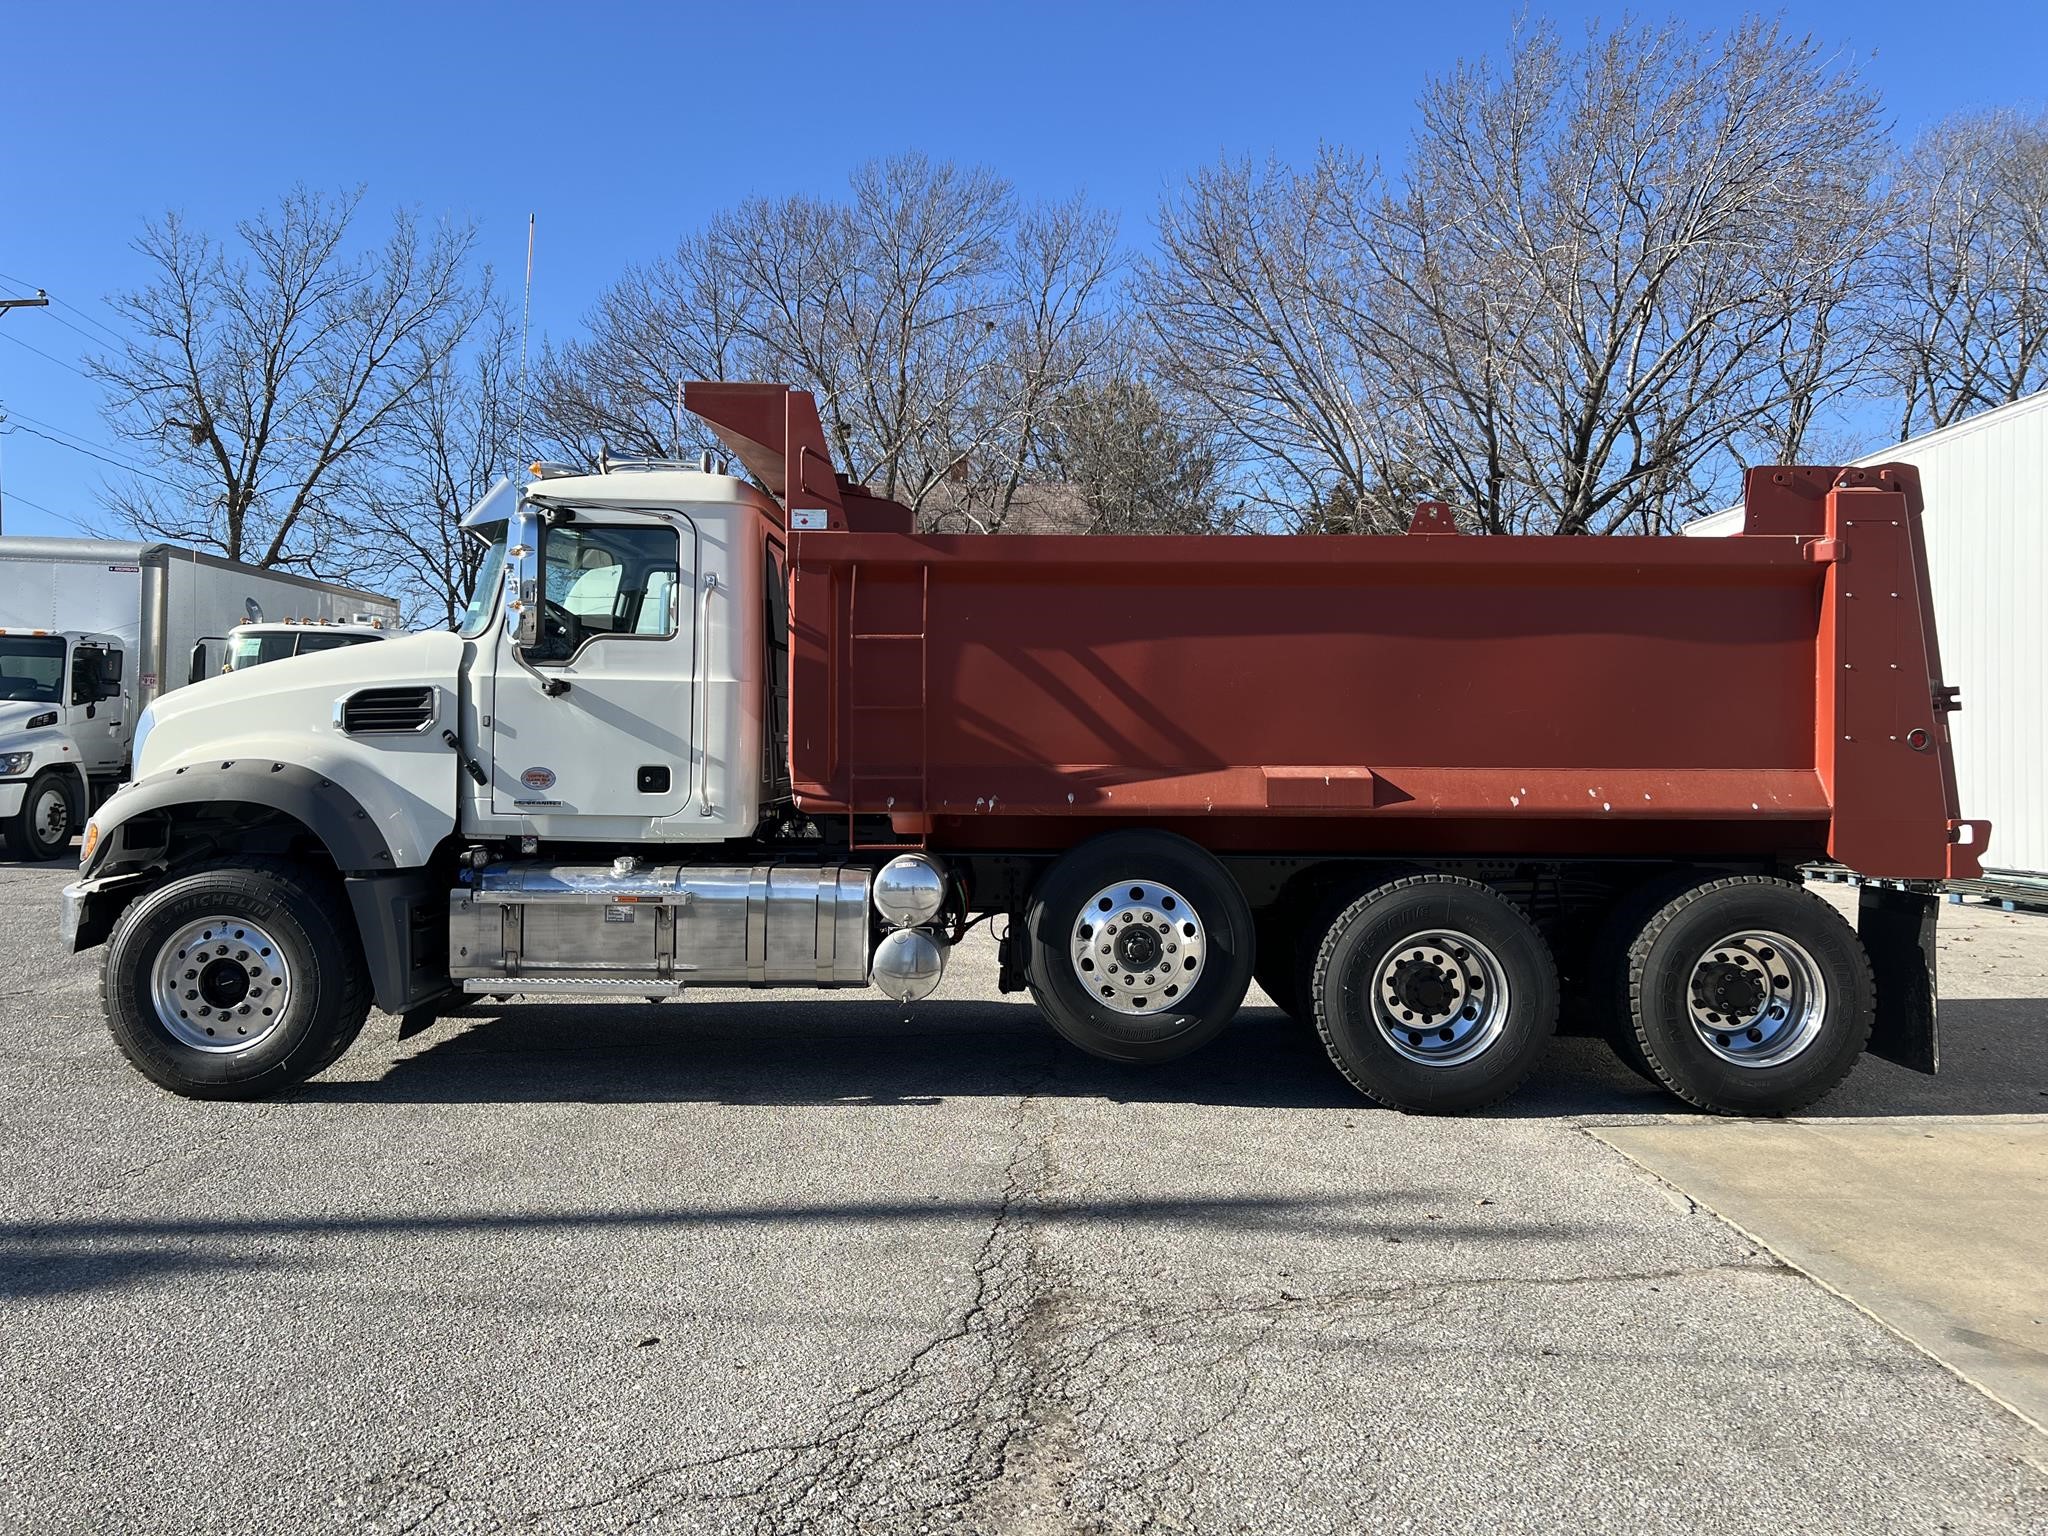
column 235, row 981
column 1140, row 946
column 1749, row 996
column 1434, row 993
column 42, row 828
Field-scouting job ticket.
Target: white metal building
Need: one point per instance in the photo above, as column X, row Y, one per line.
column 1986, row 484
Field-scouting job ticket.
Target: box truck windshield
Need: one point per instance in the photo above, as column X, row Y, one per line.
column 32, row 667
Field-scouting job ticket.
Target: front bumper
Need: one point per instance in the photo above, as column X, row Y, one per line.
column 10, row 796
column 91, row 906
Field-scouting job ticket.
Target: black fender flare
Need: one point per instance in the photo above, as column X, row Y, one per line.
column 316, row 802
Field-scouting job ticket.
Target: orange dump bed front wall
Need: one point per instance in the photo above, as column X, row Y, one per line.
column 1773, row 694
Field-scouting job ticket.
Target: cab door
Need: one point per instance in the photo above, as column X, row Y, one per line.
column 99, row 705
column 619, row 630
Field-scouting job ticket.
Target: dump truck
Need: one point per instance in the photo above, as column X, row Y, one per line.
column 1430, row 791
column 92, row 630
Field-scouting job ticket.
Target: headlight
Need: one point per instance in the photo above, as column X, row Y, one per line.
column 14, row 764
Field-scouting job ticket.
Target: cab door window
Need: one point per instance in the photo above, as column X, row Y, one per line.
column 607, row 581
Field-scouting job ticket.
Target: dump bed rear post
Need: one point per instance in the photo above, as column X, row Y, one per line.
column 1882, row 747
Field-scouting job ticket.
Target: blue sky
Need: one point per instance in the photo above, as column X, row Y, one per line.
column 620, row 126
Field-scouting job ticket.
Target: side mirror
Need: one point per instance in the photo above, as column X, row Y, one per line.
column 198, row 669
column 525, row 586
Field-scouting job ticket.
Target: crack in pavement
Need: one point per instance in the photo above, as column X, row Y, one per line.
column 1001, row 1421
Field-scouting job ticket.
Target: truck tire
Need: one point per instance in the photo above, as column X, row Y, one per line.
column 1749, row 996
column 1139, row 946
column 1607, row 984
column 235, row 981
column 1435, row 994
column 42, row 828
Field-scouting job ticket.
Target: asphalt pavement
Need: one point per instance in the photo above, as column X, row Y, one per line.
column 801, row 1262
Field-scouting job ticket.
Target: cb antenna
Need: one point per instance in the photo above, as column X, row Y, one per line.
column 526, row 305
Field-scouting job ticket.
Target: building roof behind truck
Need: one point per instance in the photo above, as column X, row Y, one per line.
column 143, row 552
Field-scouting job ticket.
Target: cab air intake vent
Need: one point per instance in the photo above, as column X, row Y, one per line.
column 377, row 711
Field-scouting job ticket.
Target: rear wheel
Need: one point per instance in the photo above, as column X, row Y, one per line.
column 1434, row 993
column 1749, row 996
column 1608, row 981
column 42, row 828
column 235, row 982
column 1140, row 946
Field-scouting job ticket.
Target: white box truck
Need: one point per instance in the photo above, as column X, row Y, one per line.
column 93, row 630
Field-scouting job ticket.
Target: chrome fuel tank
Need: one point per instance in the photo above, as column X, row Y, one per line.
column 653, row 928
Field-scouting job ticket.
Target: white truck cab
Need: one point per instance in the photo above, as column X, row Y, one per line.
column 253, row 644
column 63, row 723
column 581, row 791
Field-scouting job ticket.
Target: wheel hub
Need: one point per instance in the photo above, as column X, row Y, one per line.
column 1756, row 999
column 220, row 984
column 53, row 815
column 1138, row 947
column 1425, row 988
column 1440, row 998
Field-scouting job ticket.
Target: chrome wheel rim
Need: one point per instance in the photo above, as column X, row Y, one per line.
column 51, row 817
column 220, row 984
column 1139, row 947
column 1756, row 998
column 1440, row 997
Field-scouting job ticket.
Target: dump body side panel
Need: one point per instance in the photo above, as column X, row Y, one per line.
column 1533, row 695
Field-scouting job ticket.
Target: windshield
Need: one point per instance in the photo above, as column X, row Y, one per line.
column 483, row 597
column 254, row 650
column 31, row 667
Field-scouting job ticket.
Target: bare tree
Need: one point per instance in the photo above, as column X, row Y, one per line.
column 934, row 319
column 448, row 444
column 1262, row 326
column 1963, row 309
column 267, row 364
column 1055, row 336
column 682, row 317
column 1603, row 273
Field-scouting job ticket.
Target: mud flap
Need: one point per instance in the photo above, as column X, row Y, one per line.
column 1897, row 928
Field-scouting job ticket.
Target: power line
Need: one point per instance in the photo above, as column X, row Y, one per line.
column 22, row 282
column 76, row 331
column 61, row 517
column 77, row 437
column 39, row 352
column 116, row 463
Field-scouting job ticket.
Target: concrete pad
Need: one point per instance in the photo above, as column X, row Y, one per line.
column 1936, row 1227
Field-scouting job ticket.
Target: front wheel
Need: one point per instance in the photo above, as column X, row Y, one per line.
column 1140, row 946
column 42, row 828
column 1749, row 996
column 235, row 982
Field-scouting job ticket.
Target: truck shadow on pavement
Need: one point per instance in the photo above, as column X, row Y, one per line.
column 791, row 1050
column 45, row 1259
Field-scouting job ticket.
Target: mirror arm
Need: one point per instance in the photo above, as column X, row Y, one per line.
column 553, row 687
